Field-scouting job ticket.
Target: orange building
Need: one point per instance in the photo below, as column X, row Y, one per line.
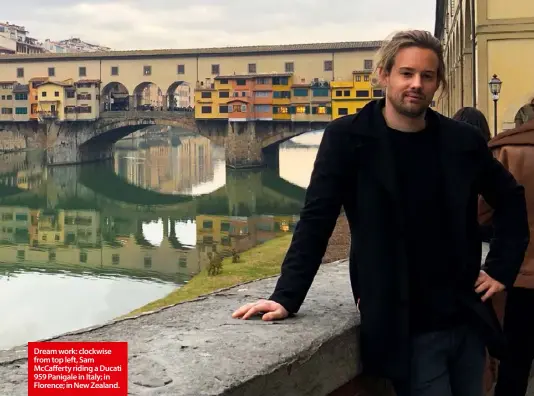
column 252, row 96
column 33, row 97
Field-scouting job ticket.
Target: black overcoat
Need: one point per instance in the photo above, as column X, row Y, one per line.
column 354, row 169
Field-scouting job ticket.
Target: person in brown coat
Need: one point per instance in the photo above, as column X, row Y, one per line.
column 515, row 307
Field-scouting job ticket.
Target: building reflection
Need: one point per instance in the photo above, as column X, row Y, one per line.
column 53, row 220
column 84, row 240
column 173, row 165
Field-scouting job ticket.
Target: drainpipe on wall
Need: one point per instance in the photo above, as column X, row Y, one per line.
column 473, row 49
column 100, row 89
column 462, row 34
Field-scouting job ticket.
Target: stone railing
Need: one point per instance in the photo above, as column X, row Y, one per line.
column 196, row 348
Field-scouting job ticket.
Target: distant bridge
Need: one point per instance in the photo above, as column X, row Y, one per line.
column 248, row 144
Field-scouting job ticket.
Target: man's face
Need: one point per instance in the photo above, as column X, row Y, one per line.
column 412, row 82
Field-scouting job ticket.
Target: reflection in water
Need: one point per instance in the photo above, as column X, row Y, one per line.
column 80, row 245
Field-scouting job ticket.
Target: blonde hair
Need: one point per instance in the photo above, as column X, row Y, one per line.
column 406, row 39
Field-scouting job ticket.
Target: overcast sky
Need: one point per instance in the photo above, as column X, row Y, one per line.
column 149, row 24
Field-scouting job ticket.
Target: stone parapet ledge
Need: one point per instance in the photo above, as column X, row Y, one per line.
column 195, row 348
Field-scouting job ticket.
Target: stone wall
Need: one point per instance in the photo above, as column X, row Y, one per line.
column 12, row 140
column 197, row 348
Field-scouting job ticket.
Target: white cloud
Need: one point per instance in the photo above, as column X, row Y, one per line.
column 136, row 24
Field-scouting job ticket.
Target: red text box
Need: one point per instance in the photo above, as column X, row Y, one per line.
column 77, row 368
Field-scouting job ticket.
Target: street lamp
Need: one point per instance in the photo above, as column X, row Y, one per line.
column 495, row 88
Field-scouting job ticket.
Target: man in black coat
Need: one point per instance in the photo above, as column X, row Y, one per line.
column 409, row 180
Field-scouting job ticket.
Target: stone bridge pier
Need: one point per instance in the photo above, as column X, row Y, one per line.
column 255, row 143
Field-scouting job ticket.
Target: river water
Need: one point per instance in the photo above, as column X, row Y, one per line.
column 81, row 245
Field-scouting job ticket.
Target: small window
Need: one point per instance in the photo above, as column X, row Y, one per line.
column 206, row 109
column 224, row 94
column 366, row 78
column 206, row 94
column 327, row 65
column 56, row 94
column 346, row 93
column 368, row 64
column 82, row 71
column 147, row 70
column 252, row 68
column 43, row 94
column 223, row 109
column 362, row 94
column 181, row 69
column 241, row 81
column 114, row 70
column 20, row 72
column 339, row 93
column 51, row 71
column 289, row 67
column 342, row 111
column 215, row 69
column 358, row 78
column 300, row 92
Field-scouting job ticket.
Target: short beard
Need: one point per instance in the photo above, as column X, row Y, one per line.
column 399, row 108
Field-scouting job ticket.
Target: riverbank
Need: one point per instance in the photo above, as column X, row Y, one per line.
column 260, row 262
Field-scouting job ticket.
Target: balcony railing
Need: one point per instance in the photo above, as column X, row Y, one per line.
column 48, row 115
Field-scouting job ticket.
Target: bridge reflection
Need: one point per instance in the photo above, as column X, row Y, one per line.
column 89, row 219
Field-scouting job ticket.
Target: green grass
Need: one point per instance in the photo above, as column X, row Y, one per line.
column 259, row 262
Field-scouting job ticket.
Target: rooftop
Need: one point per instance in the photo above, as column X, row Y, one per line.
column 191, row 52
column 252, row 75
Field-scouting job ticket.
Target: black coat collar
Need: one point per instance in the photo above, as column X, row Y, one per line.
column 370, row 123
column 457, row 145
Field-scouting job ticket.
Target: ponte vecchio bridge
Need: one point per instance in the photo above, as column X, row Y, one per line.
column 125, row 75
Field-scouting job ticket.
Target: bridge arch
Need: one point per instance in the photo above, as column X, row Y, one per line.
column 179, row 96
column 115, row 97
column 148, row 96
column 282, row 136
